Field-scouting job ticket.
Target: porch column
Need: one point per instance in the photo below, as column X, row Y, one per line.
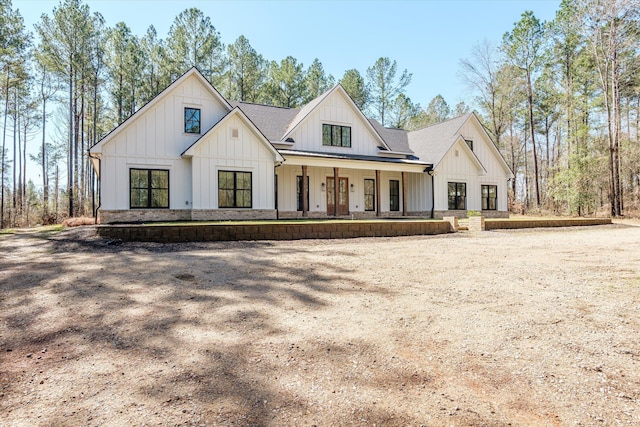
column 305, row 191
column 404, row 194
column 336, row 189
column 377, row 192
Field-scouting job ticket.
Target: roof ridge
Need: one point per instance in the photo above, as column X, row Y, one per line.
column 466, row 115
column 264, row 105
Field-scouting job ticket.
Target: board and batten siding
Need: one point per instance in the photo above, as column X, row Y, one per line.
column 418, row 192
column 287, row 183
column 496, row 173
column 457, row 168
column 461, row 168
column 335, row 110
column 155, row 140
column 221, row 151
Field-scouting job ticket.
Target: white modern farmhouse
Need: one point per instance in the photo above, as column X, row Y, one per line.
column 190, row 154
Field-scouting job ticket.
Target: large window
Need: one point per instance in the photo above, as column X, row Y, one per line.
column 336, row 135
column 300, row 191
column 394, row 195
column 234, row 189
column 191, row 120
column 489, row 197
column 369, row 195
column 457, row 196
column 148, row 188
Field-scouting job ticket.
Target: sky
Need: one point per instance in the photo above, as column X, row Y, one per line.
column 428, row 38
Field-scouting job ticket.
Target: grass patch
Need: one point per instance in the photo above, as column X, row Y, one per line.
column 50, row 229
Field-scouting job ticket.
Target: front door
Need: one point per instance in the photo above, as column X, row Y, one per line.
column 343, row 196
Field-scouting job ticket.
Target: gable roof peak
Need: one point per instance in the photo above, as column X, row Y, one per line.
column 193, row 71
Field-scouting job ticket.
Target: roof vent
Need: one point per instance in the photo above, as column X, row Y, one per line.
column 234, row 133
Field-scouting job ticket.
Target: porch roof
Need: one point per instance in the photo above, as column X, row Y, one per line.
column 353, row 161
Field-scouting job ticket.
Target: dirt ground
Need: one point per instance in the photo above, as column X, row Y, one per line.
column 525, row 327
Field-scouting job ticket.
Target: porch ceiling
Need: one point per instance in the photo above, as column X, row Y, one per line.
column 327, row 160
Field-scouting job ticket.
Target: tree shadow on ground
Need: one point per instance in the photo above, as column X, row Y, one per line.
column 192, row 318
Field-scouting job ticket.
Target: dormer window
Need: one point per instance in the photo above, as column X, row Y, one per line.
column 336, row 135
column 191, row 120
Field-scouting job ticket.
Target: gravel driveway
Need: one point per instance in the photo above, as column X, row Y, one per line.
column 525, row 327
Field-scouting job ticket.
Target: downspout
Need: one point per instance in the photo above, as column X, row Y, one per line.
column 275, row 178
column 431, row 173
column 95, row 211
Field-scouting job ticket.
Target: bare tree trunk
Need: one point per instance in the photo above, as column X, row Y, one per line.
column 57, row 184
column 70, row 157
column 15, row 132
column 83, row 186
column 45, row 176
column 24, row 167
column 514, row 164
column 18, row 166
column 4, row 138
column 76, row 132
column 526, row 173
column 533, row 138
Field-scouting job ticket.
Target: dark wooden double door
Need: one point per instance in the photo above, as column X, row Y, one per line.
column 343, row 196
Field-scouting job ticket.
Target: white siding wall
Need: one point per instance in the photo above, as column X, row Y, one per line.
column 335, row 110
column 246, row 153
column 418, row 192
column 287, row 201
column 155, row 140
column 496, row 175
column 458, row 168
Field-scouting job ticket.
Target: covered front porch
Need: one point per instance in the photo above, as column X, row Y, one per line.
column 320, row 185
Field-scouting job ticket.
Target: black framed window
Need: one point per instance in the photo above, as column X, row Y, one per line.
column 369, row 194
column 336, row 135
column 299, row 192
column 191, row 120
column 234, row 189
column 148, row 188
column 394, row 195
column 489, row 197
column 469, row 143
column 457, row 196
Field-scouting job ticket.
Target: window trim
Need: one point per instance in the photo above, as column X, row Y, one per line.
column 189, row 121
column 373, row 206
column 235, row 189
column 391, row 195
column 488, row 198
column 150, row 189
column 332, row 129
column 456, row 197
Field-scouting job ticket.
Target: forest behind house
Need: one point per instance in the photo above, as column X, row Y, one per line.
column 560, row 99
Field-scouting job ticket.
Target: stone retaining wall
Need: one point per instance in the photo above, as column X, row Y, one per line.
column 496, row 224
column 172, row 215
column 270, row 231
column 463, row 214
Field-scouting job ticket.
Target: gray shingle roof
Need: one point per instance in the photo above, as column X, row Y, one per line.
column 396, row 139
column 272, row 121
column 428, row 144
column 431, row 143
column 307, row 109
